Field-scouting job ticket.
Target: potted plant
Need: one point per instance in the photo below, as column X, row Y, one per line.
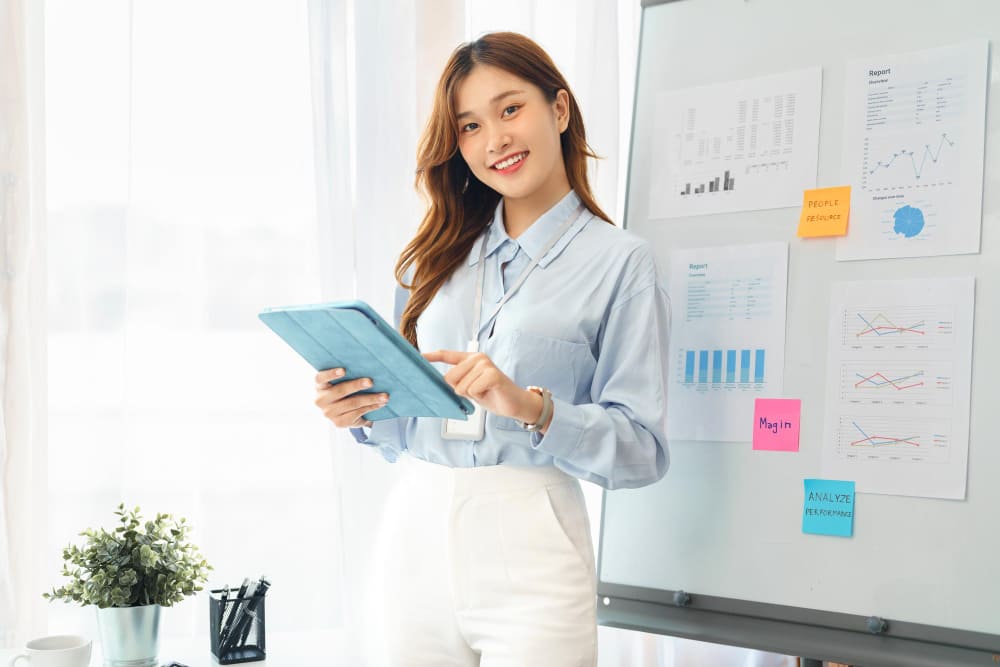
column 128, row 575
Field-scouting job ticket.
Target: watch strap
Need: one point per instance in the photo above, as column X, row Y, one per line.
column 546, row 410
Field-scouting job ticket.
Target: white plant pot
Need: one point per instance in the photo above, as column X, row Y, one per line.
column 130, row 636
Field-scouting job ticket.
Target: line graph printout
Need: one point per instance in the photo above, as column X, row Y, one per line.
column 914, row 384
column 894, row 439
column 728, row 339
column 736, row 146
column 899, row 374
column 898, row 328
column 914, row 143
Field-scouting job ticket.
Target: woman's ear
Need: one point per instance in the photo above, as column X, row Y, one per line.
column 561, row 107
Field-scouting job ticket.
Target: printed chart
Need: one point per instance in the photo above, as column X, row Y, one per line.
column 736, row 146
column 913, row 153
column 898, row 327
column 868, row 438
column 740, row 366
column 913, row 383
column 899, row 372
column 727, row 343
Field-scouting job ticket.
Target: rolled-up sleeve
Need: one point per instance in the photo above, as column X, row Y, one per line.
column 388, row 436
column 619, row 440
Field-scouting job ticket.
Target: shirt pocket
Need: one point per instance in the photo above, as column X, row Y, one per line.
column 561, row 366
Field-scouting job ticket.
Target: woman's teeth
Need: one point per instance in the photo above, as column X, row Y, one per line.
column 508, row 162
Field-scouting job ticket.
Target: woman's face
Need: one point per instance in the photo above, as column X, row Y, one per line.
column 508, row 132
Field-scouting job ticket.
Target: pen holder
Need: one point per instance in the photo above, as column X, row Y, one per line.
column 237, row 628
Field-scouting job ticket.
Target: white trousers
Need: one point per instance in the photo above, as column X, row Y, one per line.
column 489, row 566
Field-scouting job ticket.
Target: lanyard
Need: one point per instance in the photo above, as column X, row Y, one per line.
column 481, row 274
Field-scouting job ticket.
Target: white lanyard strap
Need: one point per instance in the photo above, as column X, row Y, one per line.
column 480, row 277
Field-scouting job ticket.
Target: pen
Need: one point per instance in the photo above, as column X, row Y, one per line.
column 224, row 611
column 240, row 617
column 262, row 587
column 223, row 596
column 229, row 615
column 236, row 616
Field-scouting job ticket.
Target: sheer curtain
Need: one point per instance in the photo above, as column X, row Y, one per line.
column 22, row 343
column 182, row 202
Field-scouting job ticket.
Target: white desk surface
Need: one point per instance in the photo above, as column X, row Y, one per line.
column 283, row 650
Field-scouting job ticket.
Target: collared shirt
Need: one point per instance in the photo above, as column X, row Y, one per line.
column 591, row 324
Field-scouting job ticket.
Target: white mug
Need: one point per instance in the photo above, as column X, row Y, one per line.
column 56, row 651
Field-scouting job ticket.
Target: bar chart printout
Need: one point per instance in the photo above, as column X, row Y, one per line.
column 735, row 146
column 737, row 367
column 899, row 379
column 727, row 343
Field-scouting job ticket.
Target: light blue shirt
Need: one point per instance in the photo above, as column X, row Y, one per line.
column 591, row 324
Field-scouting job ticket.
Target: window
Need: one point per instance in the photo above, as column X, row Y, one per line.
column 181, row 202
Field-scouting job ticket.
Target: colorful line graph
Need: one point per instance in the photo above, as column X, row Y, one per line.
column 880, row 440
column 899, row 327
column 889, row 438
column 916, row 383
column 917, row 170
column 887, row 327
column 880, row 381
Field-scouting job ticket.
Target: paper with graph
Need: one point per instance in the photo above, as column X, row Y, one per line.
column 735, row 146
column 727, row 344
column 898, row 383
column 914, row 137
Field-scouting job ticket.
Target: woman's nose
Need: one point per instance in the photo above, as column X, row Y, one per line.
column 498, row 144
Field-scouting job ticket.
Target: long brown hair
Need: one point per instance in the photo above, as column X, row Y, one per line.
column 460, row 206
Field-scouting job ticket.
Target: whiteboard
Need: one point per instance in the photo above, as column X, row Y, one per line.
column 726, row 521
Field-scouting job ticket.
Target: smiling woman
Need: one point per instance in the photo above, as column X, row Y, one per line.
column 516, row 133
column 499, row 89
column 554, row 322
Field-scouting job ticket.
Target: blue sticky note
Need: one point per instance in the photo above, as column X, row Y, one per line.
column 829, row 507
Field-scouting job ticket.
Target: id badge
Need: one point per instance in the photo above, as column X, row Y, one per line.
column 473, row 428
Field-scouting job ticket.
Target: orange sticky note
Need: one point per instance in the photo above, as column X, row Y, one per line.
column 825, row 211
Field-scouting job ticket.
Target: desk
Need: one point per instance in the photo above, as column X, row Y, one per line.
column 283, row 650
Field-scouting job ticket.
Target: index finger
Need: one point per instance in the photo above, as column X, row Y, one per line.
column 447, row 356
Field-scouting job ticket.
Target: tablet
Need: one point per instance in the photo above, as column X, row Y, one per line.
column 352, row 336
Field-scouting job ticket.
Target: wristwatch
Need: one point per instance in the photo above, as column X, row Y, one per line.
column 546, row 410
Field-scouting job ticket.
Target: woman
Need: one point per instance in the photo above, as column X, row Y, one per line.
column 554, row 323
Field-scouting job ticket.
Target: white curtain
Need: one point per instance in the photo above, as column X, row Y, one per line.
column 182, row 201
column 22, row 341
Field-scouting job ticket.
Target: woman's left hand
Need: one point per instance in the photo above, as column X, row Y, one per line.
column 474, row 375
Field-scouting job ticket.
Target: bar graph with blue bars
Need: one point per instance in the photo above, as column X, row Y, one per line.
column 721, row 367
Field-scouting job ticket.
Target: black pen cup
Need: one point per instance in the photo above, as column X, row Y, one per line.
column 236, row 627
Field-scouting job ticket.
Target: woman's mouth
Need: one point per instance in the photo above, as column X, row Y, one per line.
column 511, row 164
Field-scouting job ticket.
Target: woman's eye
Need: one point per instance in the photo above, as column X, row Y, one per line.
column 513, row 106
column 467, row 126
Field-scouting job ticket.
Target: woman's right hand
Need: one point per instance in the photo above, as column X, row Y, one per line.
column 341, row 403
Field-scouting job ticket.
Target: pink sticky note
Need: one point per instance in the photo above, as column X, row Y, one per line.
column 776, row 424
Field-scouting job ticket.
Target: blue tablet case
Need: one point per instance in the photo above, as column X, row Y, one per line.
column 350, row 335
